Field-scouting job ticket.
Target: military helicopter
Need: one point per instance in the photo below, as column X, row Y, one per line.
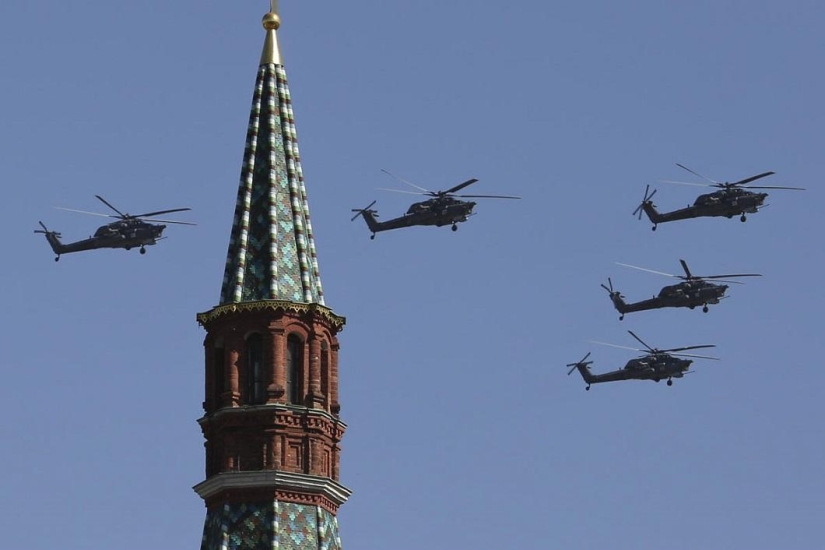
column 693, row 291
column 128, row 232
column 444, row 208
column 733, row 199
column 656, row 365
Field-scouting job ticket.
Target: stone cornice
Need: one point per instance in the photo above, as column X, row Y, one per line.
column 276, row 480
column 335, row 322
column 312, row 415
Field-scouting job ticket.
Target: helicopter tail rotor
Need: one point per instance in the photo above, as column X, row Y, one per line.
column 583, row 363
column 645, row 202
column 610, row 289
column 53, row 238
column 45, row 231
column 363, row 211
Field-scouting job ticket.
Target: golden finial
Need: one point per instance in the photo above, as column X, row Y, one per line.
column 271, row 22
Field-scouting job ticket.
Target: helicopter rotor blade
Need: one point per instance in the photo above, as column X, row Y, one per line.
column 731, row 275
column 85, row 212
column 640, row 340
column 361, row 211
column 148, row 214
column 753, row 178
column 104, row 201
column 721, row 280
column 694, row 355
column 685, row 267
column 617, row 346
column 405, row 181
column 583, row 361
column 646, row 199
column 167, row 221
column 485, row 196
column 609, row 288
column 696, row 173
column 688, row 183
column 685, row 348
column 458, row 187
column 650, row 270
column 777, row 187
column 401, row 191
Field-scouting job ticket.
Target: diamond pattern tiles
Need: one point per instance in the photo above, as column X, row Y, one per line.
column 270, row 525
column 271, row 252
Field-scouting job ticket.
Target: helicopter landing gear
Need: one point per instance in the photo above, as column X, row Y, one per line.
column 372, row 237
column 653, row 228
column 669, row 382
column 621, row 317
column 743, row 219
column 57, row 258
column 587, row 388
column 705, row 308
column 143, row 250
column 454, row 227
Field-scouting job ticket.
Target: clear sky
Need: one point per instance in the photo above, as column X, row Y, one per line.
column 464, row 431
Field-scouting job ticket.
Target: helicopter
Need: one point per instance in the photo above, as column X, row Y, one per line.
column 444, row 208
column 693, row 291
column 656, row 365
column 731, row 200
column 129, row 231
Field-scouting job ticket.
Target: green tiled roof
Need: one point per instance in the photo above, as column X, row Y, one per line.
column 271, row 250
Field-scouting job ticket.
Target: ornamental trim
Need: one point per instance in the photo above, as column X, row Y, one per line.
column 335, row 321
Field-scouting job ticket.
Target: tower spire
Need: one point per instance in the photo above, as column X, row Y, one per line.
column 271, row 411
column 271, row 252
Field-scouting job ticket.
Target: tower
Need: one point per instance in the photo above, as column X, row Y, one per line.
column 271, row 419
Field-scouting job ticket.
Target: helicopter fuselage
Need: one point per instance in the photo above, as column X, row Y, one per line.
column 655, row 366
column 730, row 202
column 724, row 203
column 692, row 293
column 689, row 294
column 127, row 232
column 439, row 212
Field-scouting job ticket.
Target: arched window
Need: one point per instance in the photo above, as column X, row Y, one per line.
column 254, row 369
column 325, row 371
column 294, row 369
column 218, row 372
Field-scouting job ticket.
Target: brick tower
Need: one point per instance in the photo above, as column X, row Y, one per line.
column 271, row 352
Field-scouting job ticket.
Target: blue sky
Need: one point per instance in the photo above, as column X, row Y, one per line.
column 464, row 431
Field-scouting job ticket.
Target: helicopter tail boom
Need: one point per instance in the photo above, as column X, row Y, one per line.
column 585, row 372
